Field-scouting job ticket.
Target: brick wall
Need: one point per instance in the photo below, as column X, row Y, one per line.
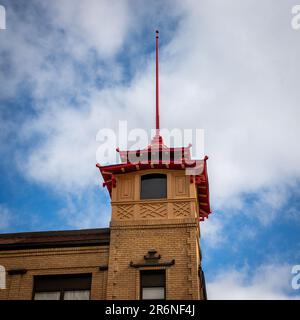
column 53, row 261
column 172, row 240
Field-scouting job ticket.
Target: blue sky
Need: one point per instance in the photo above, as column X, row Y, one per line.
column 70, row 68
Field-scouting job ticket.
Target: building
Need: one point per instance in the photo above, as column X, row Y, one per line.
column 151, row 250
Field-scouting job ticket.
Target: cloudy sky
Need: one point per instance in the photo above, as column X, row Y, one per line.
column 71, row 67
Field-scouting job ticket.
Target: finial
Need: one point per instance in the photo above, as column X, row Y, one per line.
column 157, row 87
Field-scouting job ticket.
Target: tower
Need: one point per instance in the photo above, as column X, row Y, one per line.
column 158, row 195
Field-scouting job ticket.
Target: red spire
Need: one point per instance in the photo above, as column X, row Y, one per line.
column 157, row 88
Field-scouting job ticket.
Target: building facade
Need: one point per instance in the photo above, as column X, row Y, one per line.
column 151, row 250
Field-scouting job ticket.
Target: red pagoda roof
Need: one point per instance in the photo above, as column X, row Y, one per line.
column 158, row 156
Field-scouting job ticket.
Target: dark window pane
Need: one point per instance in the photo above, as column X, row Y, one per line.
column 154, row 186
column 153, row 278
column 65, row 282
column 153, row 284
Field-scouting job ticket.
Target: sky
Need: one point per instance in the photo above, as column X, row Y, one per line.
column 69, row 68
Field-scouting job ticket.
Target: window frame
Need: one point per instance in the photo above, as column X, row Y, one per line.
column 164, row 271
column 86, row 284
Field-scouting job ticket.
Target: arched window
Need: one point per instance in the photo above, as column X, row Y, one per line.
column 154, row 186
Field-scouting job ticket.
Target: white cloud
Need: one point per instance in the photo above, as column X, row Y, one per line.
column 212, row 231
column 43, row 55
column 268, row 205
column 250, row 119
column 92, row 23
column 231, row 68
column 268, row 282
column 84, row 211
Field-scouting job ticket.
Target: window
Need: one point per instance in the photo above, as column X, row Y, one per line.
column 62, row 287
column 154, row 186
column 153, row 284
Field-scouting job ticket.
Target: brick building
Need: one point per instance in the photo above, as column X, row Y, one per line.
column 151, row 250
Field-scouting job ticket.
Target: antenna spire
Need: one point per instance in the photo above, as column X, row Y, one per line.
column 157, row 86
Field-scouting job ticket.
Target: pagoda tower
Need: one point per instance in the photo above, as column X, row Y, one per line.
column 158, row 196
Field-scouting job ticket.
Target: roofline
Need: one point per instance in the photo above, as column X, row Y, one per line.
column 55, row 232
column 55, row 239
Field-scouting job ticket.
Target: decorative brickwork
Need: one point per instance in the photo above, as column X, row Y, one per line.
column 125, row 211
column 153, row 210
column 181, row 209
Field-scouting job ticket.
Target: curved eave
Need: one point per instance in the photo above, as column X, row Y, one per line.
column 202, row 186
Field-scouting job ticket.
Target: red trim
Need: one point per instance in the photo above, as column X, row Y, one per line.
column 157, row 87
column 203, row 193
column 157, row 146
column 119, row 168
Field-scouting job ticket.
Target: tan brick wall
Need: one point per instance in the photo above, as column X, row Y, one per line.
column 172, row 240
column 170, row 226
column 53, row 261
